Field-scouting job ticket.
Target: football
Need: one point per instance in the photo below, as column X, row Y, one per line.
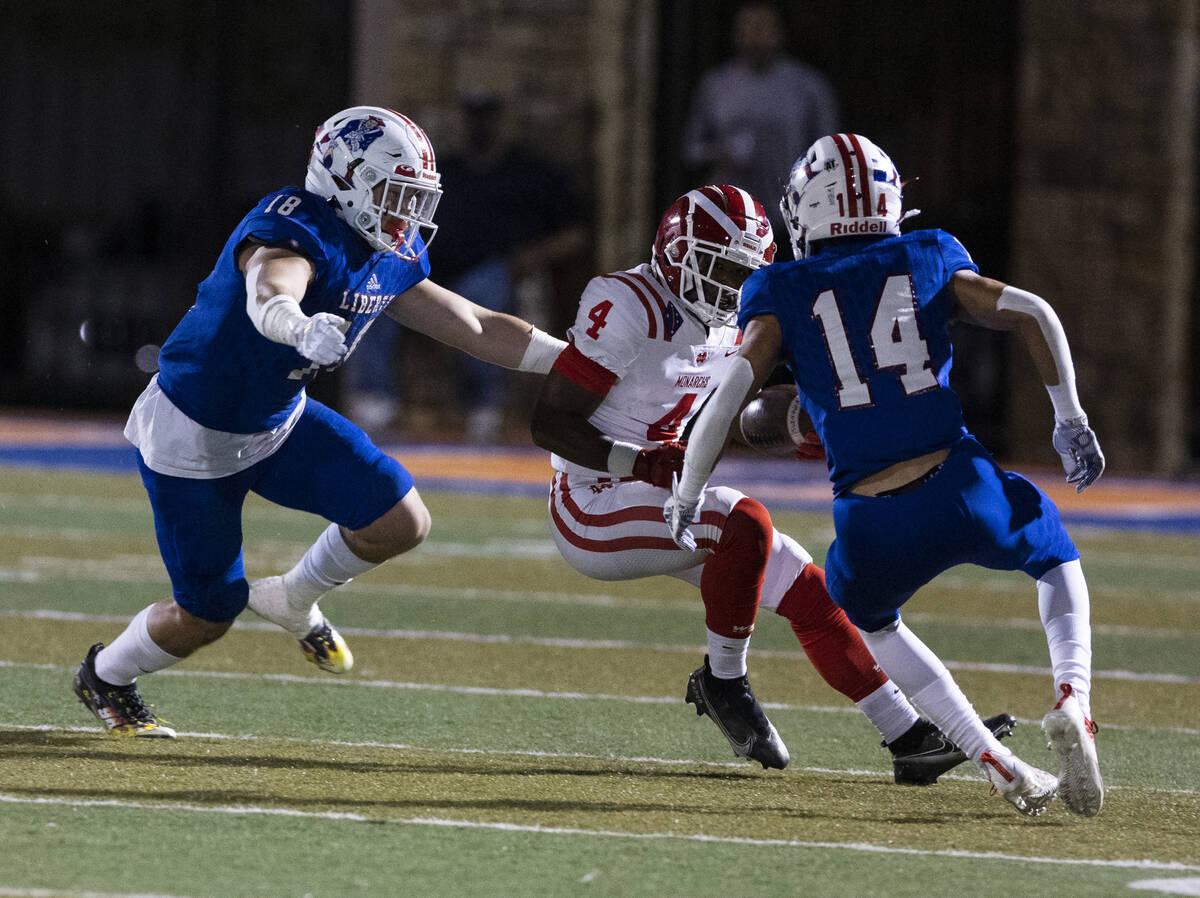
column 774, row 422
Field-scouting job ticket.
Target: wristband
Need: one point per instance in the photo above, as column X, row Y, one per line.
column 621, row 458
column 541, row 352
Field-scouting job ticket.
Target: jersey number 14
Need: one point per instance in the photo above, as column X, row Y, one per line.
column 896, row 343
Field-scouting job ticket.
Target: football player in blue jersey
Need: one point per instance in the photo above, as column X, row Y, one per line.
column 862, row 320
column 299, row 282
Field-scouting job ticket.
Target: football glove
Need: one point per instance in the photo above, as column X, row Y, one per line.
column 679, row 515
column 322, row 338
column 660, row 465
column 1079, row 450
column 811, row 449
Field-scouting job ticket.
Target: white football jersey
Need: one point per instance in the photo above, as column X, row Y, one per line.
column 663, row 362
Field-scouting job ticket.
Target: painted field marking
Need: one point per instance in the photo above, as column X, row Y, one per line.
column 14, row 892
column 341, row 816
column 523, row 693
column 572, row 643
column 969, row 777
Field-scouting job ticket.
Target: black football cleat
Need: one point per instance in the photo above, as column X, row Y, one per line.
column 119, row 708
column 924, row 753
column 736, row 712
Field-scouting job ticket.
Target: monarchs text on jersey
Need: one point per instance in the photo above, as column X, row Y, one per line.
column 865, row 327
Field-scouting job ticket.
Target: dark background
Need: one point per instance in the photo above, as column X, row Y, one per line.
column 140, row 133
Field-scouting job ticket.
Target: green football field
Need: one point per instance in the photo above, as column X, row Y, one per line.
column 513, row 728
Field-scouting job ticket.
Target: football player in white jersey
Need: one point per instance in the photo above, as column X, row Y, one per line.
column 648, row 346
column 300, row 280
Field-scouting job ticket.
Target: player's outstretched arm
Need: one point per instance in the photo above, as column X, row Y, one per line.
column 1001, row 307
column 276, row 280
column 760, row 349
column 492, row 336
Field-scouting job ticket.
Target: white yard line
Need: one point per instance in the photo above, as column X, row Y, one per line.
column 860, row 847
column 402, row 685
column 561, row 642
column 968, row 776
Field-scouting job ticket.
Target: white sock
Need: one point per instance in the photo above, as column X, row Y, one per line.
column 889, row 710
column 1065, row 609
column 923, row 677
column 944, row 703
column 327, row 563
column 132, row 654
column 727, row 655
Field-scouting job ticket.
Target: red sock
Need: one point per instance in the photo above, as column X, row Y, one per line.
column 733, row 575
column 828, row 638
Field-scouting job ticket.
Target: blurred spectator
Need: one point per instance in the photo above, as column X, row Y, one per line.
column 752, row 116
column 507, row 217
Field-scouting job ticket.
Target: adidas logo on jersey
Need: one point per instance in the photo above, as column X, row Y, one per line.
column 373, row 283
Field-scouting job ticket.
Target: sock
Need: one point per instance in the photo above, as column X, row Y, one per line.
column 889, row 711
column 132, row 654
column 327, row 563
column 727, row 655
column 733, row 575
column 922, row 676
column 831, row 642
column 1065, row 609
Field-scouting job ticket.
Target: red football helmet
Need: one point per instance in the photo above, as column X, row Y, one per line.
column 708, row 242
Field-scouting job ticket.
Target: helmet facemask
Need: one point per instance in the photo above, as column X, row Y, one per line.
column 398, row 212
column 711, row 277
column 708, row 243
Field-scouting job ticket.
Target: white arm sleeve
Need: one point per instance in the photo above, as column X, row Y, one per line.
column 711, row 427
column 1062, row 395
column 279, row 318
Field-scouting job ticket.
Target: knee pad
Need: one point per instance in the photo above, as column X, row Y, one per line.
column 747, row 528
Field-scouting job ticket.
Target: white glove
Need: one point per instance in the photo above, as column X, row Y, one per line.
column 321, row 338
column 679, row 514
column 1081, row 457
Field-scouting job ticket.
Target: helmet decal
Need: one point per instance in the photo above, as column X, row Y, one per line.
column 361, row 133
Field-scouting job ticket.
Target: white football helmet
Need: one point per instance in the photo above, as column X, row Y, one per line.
column 843, row 186
column 377, row 168
column 705, row 239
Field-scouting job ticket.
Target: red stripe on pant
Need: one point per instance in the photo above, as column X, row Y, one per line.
column 831, row 642
column 731, row 583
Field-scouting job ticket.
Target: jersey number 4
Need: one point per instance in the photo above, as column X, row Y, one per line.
column 896, row 343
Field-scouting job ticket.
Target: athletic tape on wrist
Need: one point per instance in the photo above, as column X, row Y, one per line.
column 621, row 458
column 541, row 352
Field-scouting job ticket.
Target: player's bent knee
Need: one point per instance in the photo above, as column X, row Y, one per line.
column 747, row 528
column 402, row 528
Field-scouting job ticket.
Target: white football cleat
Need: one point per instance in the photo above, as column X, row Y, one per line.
column 1073, row 736
column 321, row 643
column 1028, row 789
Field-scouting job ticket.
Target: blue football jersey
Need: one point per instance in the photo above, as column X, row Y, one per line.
column 219, row 370
column 865, row 328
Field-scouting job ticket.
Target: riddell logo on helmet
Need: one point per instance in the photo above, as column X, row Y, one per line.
column 837, row 229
